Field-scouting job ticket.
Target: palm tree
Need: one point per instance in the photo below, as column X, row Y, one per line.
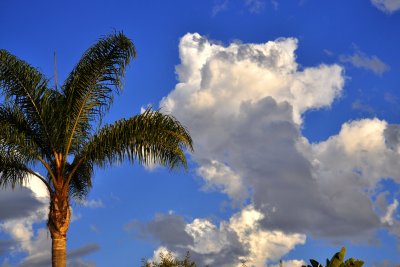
column 60, row 129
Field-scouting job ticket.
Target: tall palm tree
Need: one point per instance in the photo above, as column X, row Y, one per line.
column 59, row 128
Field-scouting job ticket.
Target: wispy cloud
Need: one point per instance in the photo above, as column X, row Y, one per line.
column 275, row 4
column 360, row 106
column 361, row 60
column 256, row 6
column 389, row 217
column 253, row 6
column 390, row 98
column 92, row 203
column 387, row 6
column 328, row 52
column 219, row 7
column 94, row 228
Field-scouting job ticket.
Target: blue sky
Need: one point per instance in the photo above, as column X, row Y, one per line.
column 294, row 111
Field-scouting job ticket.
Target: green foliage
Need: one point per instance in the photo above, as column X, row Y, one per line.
column 168, row 260
column 61, row 127
column 338, row 261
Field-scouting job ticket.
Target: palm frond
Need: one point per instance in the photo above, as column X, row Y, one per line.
column 151, row 137
column 52, row 107
column 15, row 132
column 90, row 86
column 81, row 180
column 24, row 86
column 13, row 169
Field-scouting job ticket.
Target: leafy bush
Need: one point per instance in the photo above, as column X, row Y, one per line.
column 338, row 261
column 169, row 260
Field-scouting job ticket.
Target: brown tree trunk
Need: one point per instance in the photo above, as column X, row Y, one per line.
column 59, row 218
column 59, row 252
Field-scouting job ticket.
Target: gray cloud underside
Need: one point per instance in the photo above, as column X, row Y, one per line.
column 173, row 234
column 17, row 203
column 283, row 184
column 169, row 231
column 83, row 251
column 74, row 257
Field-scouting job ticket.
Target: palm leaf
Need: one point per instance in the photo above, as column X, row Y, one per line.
column 53, row 110
column 16, row 132
column 90, row 86
column 24, row 86
column 13, row 169
column 151, row 137
column 81, row 180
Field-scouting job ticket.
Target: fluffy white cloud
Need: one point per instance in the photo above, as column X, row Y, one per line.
column 263, row 245
column 243, row 104
column 217, row 78
column 219, row 176
column 161, row 251
column 241, row 239
column 348, row 168
column 20, row 228
column 360, row 147
column 387, row 6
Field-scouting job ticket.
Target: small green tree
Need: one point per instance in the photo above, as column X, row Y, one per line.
column 168, row 260
column 338, row 261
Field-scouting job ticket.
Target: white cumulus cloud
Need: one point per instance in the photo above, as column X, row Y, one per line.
column 223, row 78
column 243, row 104
column 219, row 176
column 230, row 243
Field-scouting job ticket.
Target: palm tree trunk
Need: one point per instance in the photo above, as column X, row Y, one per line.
column 59, row 218
column 59, row 252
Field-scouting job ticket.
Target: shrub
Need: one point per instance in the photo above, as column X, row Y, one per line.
column 168, row 260
column 337, row 261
